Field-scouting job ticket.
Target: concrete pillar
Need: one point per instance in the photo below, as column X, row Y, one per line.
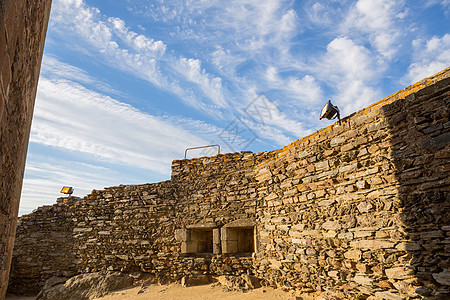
column 23, row 25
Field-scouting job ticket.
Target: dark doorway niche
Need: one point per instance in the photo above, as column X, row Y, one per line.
column 198, row 238
column 238, row 237
column 202, row 241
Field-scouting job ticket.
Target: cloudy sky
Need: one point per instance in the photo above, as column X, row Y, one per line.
column 126, row 86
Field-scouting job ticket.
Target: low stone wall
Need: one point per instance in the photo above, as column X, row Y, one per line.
column 360, row 209
column 46, row 236
column 132, row 227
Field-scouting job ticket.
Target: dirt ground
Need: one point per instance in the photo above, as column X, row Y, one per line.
column 176, row 291
column 202, row 292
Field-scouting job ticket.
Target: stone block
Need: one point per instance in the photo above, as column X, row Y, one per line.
column 303, row 154
column 371, row 244
column 388, row 296
column 326, row 202
column 334, row 274
column 331, row 225
column 323, row 165
column 80, row 229
column 431, row 234
column 409, row 246
column 364, row 207
column 202, row 226
column 375, row 180
column 241, row 223
column 216, row 236
column 348, row 168
column 347, row 147
column 398, row 273
column 275, row 264
column 298, row 227
column 442, row 278
column 362, row 268
column 363, row 152
column 361, row 234
column 263, row 175
column 272, row 196
column 404, row 287
column 330, row 234
column 290, row 192
column 336, row 141
column 299, row 241
column 363, row 279
column 182, row 235
column 353, row 255
column 345, row 236
column 361, row 184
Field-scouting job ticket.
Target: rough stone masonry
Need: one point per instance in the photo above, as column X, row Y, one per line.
column 361, row 210
column 23, row 25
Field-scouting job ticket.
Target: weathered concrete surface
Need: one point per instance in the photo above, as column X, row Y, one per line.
column 23, row 26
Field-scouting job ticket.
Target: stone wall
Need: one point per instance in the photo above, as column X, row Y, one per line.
column 23, row 26
column 360, row 210
column 48, row 246
column 132, row 227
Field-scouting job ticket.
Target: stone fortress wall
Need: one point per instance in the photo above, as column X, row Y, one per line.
column 23, row 26
column 361, row 209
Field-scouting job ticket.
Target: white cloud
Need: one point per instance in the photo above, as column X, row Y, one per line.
column 444, row 3
column 250, row 45
column 210, row 85
column 431, row 56
column 323, row 13
column 352, row 71
column 52, row 68
column 87, row 24
column 81, row 19
column 381, row 21
column 134, row 53
column 258, row 27
column 306, row 89
column 45, row 176
column 72, row 117
column 345, row 58
column 227, row 61
column 253, row 28
column 138, row 42
column 266, row 118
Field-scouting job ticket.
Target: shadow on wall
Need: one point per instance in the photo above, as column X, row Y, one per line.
column 420, row 152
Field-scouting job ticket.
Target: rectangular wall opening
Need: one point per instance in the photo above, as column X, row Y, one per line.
column 238, row 239
column 202, row 240
column 199, row 238
column 245, row 240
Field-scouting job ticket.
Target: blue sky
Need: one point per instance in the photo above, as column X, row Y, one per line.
column 126, row 86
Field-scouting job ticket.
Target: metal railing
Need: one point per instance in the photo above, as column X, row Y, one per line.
column 218, row 149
